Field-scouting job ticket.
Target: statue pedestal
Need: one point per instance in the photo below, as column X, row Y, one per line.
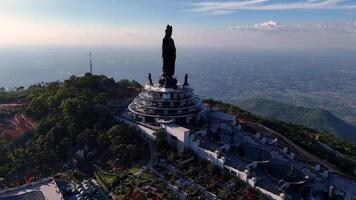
column 156, row 105
column 168, row 82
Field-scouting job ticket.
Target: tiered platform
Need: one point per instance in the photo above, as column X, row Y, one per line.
column 157, row 104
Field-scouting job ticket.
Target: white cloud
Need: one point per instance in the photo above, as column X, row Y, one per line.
column 212, row 6
column 231, row 6
column 274, row 26
column 270, row 25
column 267, row 25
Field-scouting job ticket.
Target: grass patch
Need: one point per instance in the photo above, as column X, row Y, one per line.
column 133, row 170
column 104, row 178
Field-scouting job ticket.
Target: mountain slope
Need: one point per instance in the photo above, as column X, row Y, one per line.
column 313, row 118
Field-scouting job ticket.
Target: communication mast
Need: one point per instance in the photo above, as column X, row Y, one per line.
column 91, row 63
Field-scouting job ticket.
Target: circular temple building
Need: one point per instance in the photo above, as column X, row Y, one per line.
column 157, row 104
column 167, row 101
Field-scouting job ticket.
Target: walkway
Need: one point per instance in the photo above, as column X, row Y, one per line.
column 153, row 159
column 299, row 151
column 153, row 156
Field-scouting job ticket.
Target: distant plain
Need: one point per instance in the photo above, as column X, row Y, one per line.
column 316, row 79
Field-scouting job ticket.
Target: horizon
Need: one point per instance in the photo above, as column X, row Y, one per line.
column 74, row 60
column 244, row 24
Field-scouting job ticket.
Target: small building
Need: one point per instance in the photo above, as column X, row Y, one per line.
column 177, row 136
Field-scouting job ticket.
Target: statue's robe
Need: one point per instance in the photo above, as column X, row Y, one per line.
column 169, row 56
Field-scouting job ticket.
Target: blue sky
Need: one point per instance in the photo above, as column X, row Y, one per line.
column 233, row 23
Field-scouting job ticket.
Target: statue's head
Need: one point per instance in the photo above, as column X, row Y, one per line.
column 169, row 30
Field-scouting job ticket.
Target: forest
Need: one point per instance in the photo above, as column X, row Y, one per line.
column 75, row 127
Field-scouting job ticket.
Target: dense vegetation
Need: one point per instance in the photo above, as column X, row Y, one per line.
column 305, row 138
column 75, row 122
column 309, row 117
column 7, row 96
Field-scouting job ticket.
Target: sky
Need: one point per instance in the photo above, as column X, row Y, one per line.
column 260, row 24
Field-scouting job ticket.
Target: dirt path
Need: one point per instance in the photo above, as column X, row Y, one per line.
column 153, row 157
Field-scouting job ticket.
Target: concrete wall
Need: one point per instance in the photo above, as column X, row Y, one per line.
column 206, row 154
column 271, row 195
column 242, row 175
column 147, row 132
column 251, row 181
column 181, row 135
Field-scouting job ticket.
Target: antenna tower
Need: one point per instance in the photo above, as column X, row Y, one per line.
column 91, row 63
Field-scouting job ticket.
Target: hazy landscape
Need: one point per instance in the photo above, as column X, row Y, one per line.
column 325, row 79
column 176, row 100
column 314, row 118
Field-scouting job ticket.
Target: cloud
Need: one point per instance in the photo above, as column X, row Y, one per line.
column 212, row 6
column 221, row 12
column 267, row 25
column 270, row 25
column 229, row 7
column 273, row 26
column 335, row 28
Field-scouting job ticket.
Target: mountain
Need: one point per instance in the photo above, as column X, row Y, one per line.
column 310, row 117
